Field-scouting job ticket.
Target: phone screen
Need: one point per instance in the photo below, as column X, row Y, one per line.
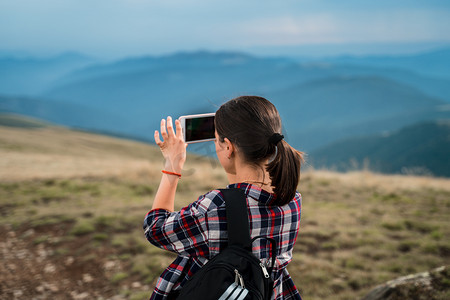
column 200, row 128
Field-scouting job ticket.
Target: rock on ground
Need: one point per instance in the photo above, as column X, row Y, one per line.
column 432, row 285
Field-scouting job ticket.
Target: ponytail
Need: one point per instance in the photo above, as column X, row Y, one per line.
column 284, row 172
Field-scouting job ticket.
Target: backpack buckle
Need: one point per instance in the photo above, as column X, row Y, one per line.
column 237, row 290
column 238, row 279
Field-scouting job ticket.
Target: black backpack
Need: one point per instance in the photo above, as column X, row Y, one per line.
column 235, row 273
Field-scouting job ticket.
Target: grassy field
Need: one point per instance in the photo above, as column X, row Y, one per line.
column 72, row 206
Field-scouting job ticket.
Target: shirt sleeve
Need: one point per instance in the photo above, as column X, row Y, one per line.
column 183, row 232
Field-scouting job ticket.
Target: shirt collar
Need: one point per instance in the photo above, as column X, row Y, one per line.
column 255, row 192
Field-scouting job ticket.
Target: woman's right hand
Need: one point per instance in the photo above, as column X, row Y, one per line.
column 173, row 147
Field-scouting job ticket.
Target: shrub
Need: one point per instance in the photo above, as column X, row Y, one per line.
column 82, row 228
column 393, row 226
column 51, row 220
column 407, row 246
column 118, row 277
column 100, row 236
column 436, row 235
column 419, row 226
column 40, row 239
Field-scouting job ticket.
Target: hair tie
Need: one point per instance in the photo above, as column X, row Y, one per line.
column 275, row 138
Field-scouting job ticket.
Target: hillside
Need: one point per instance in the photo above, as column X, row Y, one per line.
column 319, row 112
column 72, row 206
column 332, row 101
column 346, row 101
column 12, row 120
column 421, row 148
column 46, row 151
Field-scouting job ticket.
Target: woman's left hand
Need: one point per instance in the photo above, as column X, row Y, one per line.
column 173, row 147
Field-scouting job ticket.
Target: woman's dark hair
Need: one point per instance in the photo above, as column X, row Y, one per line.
column 253, row 124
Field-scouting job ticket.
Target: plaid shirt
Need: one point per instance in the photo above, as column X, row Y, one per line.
column 198, row 232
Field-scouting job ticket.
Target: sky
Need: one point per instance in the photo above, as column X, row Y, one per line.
column 119, row 28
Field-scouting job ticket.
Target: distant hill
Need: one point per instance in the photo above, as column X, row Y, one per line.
column 430, row 85
column 30, row 76
column 67, row 114
column 319, row 112
column 184, row 79
column 346, row 100
column 13, row 120
column 420, row 149
column 433, row 63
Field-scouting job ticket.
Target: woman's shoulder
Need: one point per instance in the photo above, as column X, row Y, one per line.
column 211, row 200
column 298, row 198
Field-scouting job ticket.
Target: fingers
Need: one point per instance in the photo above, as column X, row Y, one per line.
column 170, row 127
column 167, row 130
column 163, row 129
column 157, row 139
column 179, row 129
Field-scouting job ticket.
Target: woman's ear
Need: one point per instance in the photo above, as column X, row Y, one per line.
column 229, row 148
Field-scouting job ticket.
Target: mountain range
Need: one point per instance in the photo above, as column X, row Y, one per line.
column 417, row 149
column 321, row 102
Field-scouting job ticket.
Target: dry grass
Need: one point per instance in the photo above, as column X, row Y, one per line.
column 60, row 153
column 75, row 194
column 362, row 229
column 386, row 182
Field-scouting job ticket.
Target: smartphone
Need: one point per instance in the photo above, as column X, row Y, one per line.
column 198, row 128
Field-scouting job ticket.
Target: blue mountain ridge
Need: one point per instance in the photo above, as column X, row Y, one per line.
column 420, row 149
column 30, row 75
column 435, row 64
column 320, row 102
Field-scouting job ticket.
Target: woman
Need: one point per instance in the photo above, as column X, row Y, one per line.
column 255, row 157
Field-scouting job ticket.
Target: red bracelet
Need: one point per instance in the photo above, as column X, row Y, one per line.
column 171, row 173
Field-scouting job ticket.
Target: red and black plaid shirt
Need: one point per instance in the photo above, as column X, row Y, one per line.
column 198, row 232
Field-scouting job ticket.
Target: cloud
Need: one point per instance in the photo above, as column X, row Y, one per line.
column 289, row 30
column 347, row 27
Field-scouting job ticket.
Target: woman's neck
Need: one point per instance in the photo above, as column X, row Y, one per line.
column 256, row 175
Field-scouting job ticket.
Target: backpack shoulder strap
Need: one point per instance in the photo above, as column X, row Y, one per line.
column 237, row 218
